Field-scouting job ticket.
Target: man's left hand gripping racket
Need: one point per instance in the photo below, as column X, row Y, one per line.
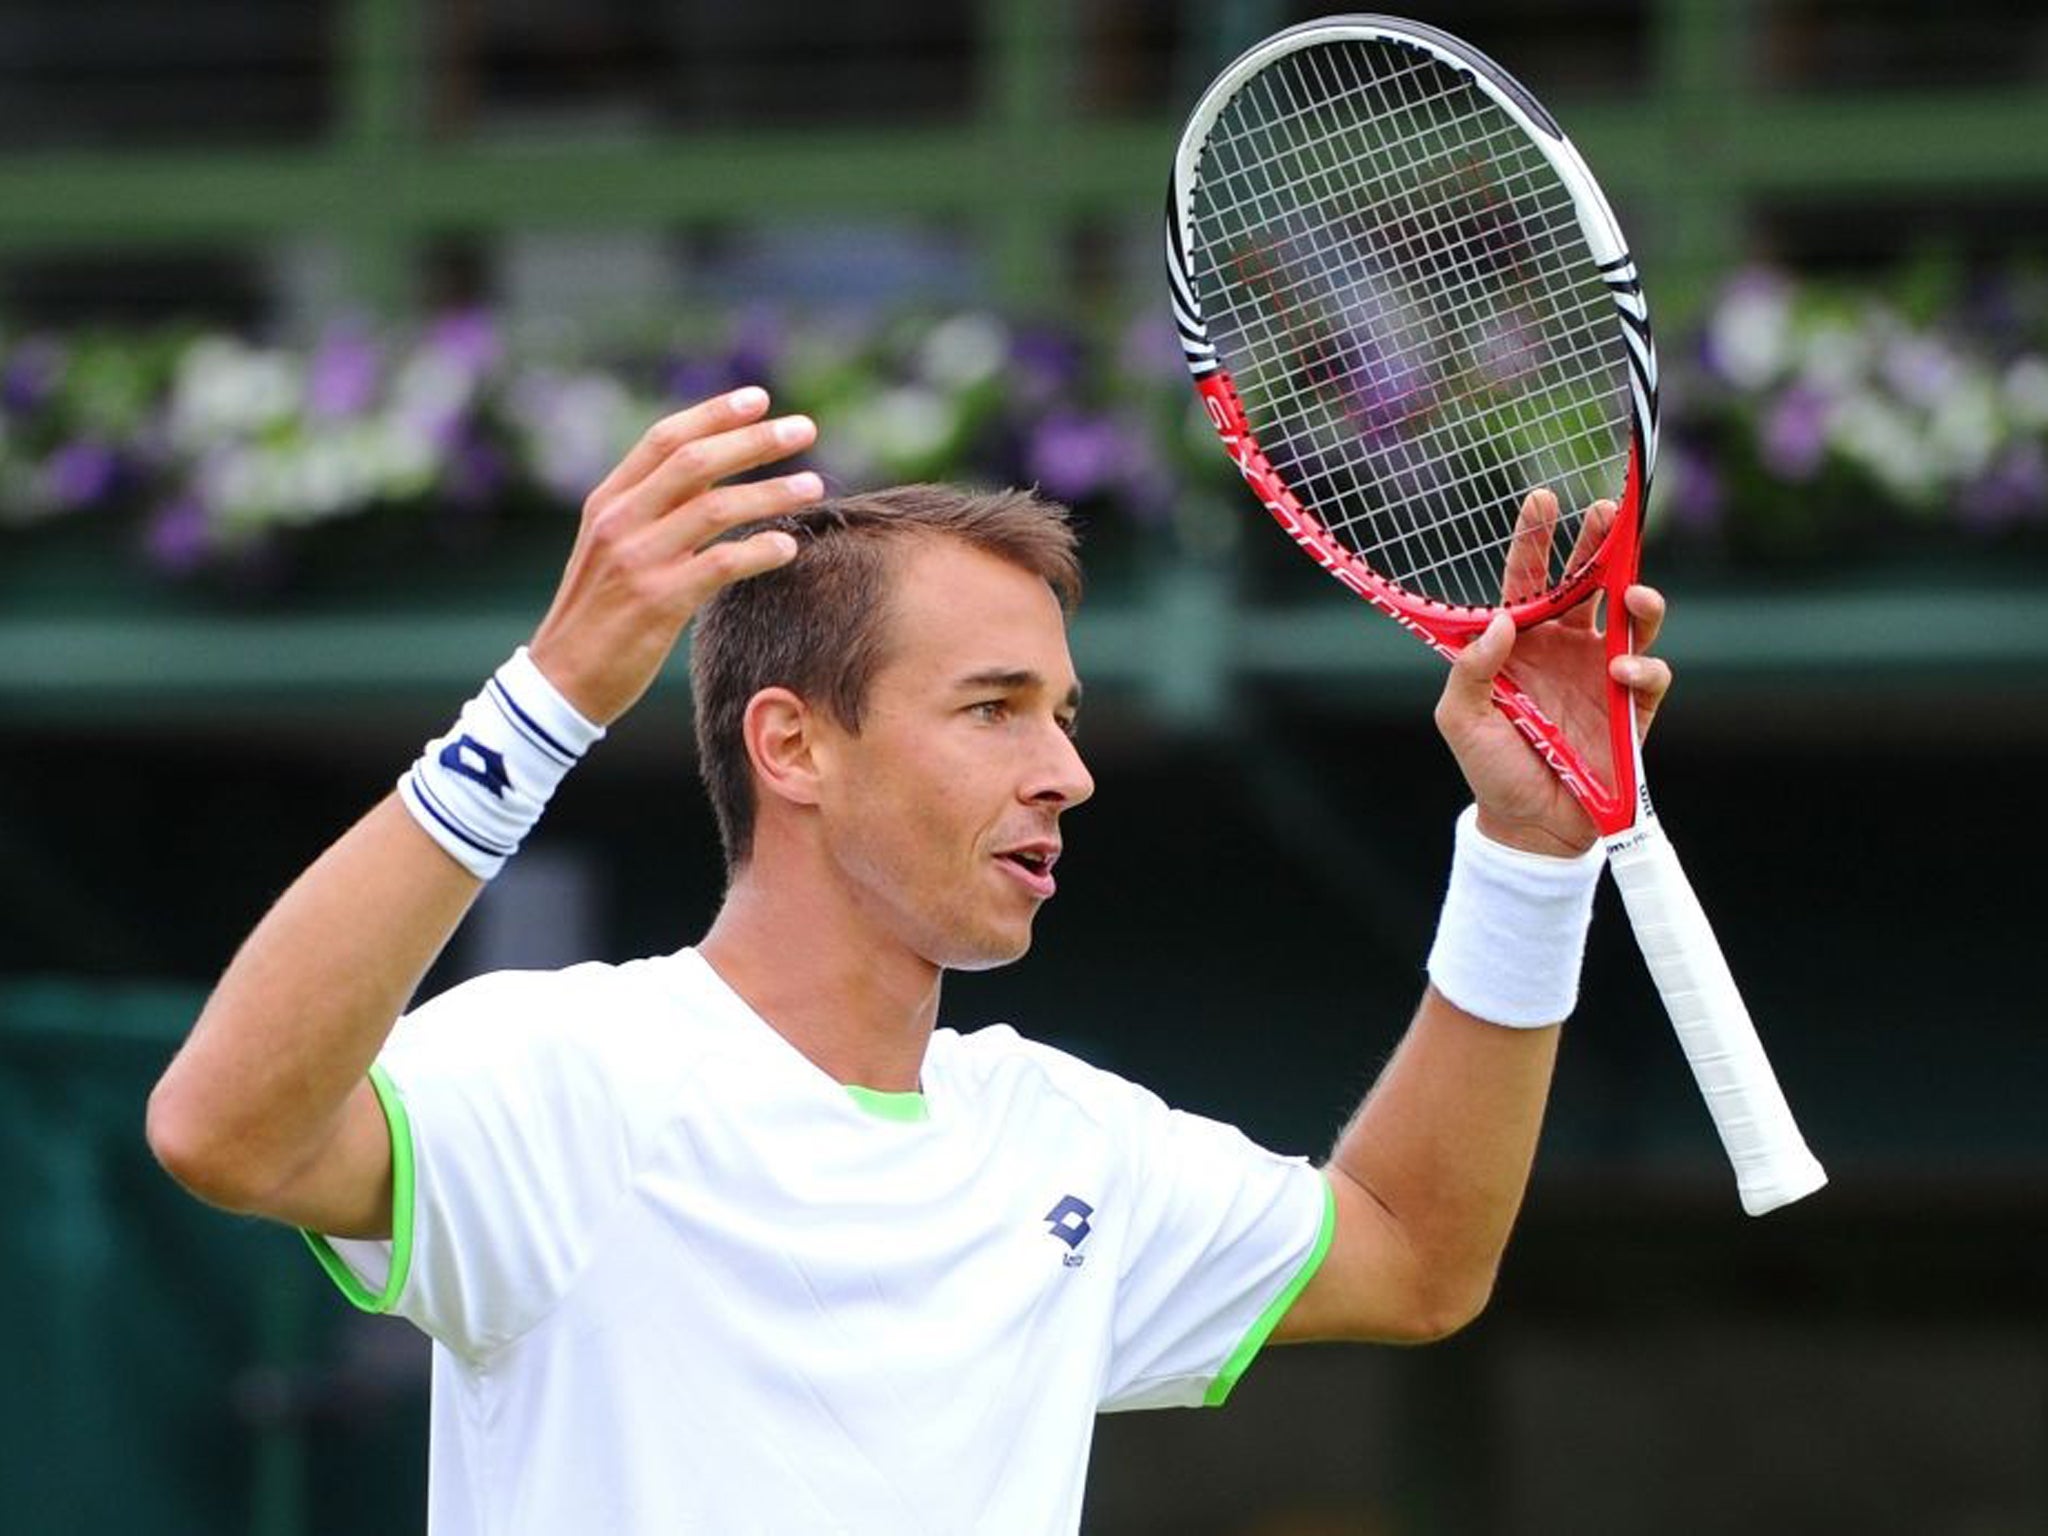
column 1412, row 320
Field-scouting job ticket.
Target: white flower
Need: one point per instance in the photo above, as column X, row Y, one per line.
column 900, row 426
column 1884, row 440
column 2026, row 392
column 1749, row 332
column 432, row 388
column 1836, row 355
column 1963, row 434
column 963, row 351
column 225, row 389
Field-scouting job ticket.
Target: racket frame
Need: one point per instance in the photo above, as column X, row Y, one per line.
column 1771, row 1161
column 1448, row 628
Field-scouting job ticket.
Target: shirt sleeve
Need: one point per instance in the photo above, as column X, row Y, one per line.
column 508, row 1152
column 1224, row 1237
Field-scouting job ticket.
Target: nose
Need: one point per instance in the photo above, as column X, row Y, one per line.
column 1060, row 779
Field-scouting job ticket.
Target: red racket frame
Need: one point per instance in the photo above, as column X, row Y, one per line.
column 1448, row 629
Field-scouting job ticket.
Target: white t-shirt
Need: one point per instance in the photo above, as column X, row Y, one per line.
column 680, row 1280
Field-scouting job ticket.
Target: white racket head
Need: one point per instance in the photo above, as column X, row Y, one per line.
column 1396, row 280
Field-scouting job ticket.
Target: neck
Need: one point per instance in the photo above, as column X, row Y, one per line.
column 862, row 1013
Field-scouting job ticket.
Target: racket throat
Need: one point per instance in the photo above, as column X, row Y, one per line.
column 1614, row 801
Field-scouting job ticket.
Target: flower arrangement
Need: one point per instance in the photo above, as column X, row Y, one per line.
column 1806, row 419
column 1796, row 416
column 214, row 457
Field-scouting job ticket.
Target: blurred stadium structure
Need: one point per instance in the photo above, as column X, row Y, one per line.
column 1839, row 209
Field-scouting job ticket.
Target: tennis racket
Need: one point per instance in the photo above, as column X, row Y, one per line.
column 1412, row 320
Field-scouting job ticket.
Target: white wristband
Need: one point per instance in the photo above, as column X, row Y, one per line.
column 1513, row 930
column 479, row 789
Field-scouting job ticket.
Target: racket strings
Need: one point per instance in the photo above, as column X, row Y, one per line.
column 1459, row 267
column 1423, row 240
column 1362, row 194
column 1503, row 143
column 1396, row 279
column 1447, row 546
column 1459, row 310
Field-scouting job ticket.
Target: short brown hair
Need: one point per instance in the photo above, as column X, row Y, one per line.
column 817, row 626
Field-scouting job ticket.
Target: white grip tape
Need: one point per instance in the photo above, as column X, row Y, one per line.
column 1772, row 1164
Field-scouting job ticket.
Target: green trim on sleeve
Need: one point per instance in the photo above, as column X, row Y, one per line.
column 909, row 1107
column 344, row 1278
column 1255, row 1338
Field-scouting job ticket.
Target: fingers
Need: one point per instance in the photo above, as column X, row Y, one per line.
column 672, row 565
column 1647, row 678
column 1470, row 687
column 1526, row 572
column 664, row 502
column 651, row 549
column 695, row 466
column 718, row 511
column 1593, row 530
column 1592, row 533
column 735, row 560
column 720, row 413
column 692, row 575
column 1645, row 607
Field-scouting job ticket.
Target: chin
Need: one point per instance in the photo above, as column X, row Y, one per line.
column 993, row 951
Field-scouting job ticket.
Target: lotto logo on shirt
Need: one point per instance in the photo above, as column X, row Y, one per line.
column 1068, row 1221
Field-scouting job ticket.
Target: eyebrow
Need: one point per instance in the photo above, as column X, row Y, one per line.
column 1012, row 681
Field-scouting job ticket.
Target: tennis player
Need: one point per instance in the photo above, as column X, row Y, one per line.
column 738, row 1239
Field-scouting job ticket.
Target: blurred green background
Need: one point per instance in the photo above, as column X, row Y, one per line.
column 317, row 320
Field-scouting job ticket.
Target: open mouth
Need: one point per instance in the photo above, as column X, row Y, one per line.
column 1033, row 865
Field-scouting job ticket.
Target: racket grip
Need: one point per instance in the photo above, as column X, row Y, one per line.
column 1772, row 1164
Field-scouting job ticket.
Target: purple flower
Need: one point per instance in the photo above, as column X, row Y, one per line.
column 759, row 340
column 31, row 375
column 80, row 474
column 1697, row 496
column 474, row 473
column 1044, row 365
column 179, row 537
column 690, row 379
column 1073, row 456
column 1385, row 393
column 2015, row 490
column 467, row 337
column 1148, row 490
column 341, row 379
column 1795, row 433
column 1151, row 347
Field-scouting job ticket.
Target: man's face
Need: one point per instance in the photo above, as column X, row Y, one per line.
column 941, row 816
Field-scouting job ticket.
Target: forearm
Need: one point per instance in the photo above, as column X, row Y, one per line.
column 260, row 1087
column 1429, row 1173
column 267, row 1108
column 1444, row 1144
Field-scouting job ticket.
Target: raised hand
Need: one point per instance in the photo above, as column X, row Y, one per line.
column 1563, row 665
column 647, row 555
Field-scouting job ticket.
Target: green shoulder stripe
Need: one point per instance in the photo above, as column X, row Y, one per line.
column 343, row 1277
column 1255, row 1337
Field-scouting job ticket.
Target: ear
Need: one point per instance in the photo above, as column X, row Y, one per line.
column 781, row 733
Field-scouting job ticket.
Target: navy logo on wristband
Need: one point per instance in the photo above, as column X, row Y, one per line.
column 473, row 760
